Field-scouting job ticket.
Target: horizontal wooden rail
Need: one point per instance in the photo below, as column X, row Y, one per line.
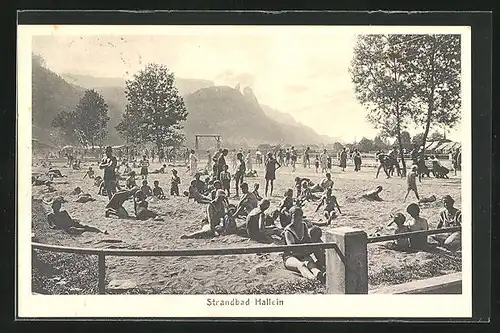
column 182, row 252
column 414, row 233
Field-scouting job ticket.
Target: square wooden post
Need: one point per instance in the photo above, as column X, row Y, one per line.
column 347, row 266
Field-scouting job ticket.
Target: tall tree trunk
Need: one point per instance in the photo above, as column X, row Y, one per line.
column 430, row 102
column 400, row 141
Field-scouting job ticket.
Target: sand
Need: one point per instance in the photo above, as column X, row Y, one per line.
column 244, row 273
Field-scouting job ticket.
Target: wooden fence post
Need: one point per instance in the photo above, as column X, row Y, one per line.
column 347, row 265
column 102, row 273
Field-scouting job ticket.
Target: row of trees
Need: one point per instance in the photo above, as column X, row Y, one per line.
column 403, row 79
column 367, row 145
column 153, row 114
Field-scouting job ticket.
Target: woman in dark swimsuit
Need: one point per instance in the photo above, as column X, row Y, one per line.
column 300, row 261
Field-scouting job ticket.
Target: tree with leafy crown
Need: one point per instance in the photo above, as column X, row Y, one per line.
column 87, row 122
column 155, row 109
column 383, row 82
column 436, row 71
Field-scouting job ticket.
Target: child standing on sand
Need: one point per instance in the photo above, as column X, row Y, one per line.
column 225, row 178
column 411, row 180
column 316, row 163
column 174, row 184
column 144, row 167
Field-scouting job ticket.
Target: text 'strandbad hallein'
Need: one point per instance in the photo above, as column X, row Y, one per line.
column 245, row 302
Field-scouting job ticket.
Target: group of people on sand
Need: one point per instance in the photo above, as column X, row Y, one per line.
column 449, row 217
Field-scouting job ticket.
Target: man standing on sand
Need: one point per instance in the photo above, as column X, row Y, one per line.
column 109, row 166
column 323, row 160
column 221, row 162
column 343, row 159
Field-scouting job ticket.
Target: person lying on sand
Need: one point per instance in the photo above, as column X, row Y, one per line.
column 324, row 185
column 82, row 197
column 219, row 219
column 89, row 173
column 54, row 173
column 430, row 199
column 373, row 195
column 36, row 181
column 60, row 219
column 330, row 202
column 115, row 205
column 157, row 190
column 399, row 220
column 247, row 203
column 141, row 208
column 298, row 260
column 449, row 217
column 192, row 193
column 160, row 170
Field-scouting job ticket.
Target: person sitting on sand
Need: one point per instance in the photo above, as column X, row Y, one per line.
column 306, row 194
column 256, row 191
column 174, row 183
column 417, row 223
column 298, row 185
column 330, row 202
column 141, row 208
column 373, row 195
column 449, row 217
column 217, row 185
column 201, row 186
column 284, row 208
column 315, row 233
column 160, row 170
column 256, row 221
column 216, row 215
column 438, row 169
column 89, row 173
column 247, row 203
column 193, row 193
column 127, row 169
column 115, row 205
column 399, row 220
column 97, row 181
column 146, row 189
column 130, row 181
column 299, row 260
column 76, row 165
column 324, row 185
column 157, row 190
column 60, row 219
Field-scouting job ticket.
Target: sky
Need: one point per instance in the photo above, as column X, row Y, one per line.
column 304, row 75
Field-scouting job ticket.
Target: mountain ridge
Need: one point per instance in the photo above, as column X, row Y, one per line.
column 236, row 115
